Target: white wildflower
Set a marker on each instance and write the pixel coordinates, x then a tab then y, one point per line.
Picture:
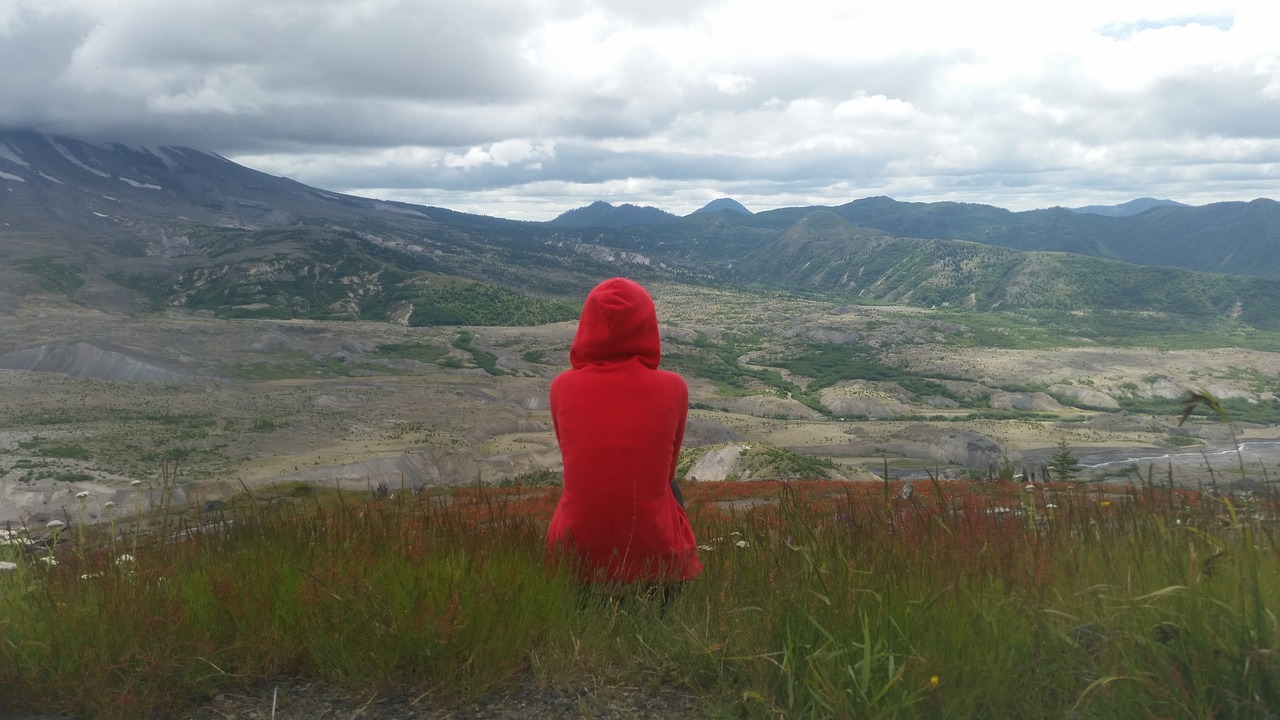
109	504
82	494
49	560
1050	506
735	532
135	483
55	524
6	566
1030	488
90	576
742	544
125	558
705	548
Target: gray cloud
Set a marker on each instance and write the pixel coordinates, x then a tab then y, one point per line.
518	107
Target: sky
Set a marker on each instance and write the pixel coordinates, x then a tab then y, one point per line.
527	108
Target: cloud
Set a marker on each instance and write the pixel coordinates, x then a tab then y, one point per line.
1126	30
487	103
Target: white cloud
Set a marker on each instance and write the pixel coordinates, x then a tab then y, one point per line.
731	83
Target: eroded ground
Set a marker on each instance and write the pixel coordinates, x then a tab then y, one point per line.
359	404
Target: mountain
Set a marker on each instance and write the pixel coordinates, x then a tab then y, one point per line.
823	251
133	230
1235	238
1133	207
600	214
726	204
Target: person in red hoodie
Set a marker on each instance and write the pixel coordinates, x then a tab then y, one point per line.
620	422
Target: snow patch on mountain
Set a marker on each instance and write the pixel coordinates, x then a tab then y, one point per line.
141	185
7	153
74	160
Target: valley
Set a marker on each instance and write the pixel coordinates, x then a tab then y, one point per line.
175	328
198	408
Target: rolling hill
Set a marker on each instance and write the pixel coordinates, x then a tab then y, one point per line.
134	229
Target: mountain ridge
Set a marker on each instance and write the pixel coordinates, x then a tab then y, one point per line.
1125	209
603	214
723	204
132	230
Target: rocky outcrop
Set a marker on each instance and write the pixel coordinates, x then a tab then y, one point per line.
767	406
948	445
819	334
717	463
1027	402
1086	396
707	431
867	399
753	461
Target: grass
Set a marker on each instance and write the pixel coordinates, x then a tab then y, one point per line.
411	351
54	276
827	599
484	360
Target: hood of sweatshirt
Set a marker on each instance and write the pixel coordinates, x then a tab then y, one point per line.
618	323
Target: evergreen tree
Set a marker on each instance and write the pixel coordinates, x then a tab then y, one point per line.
1063	465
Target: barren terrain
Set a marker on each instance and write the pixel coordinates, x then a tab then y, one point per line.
196	407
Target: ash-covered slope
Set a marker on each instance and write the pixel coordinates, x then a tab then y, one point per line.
94	186
85	359
126	229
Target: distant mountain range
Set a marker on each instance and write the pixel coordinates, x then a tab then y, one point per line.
725	205
602	214
133	229
1133	207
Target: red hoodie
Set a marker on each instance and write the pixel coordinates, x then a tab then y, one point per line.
620	421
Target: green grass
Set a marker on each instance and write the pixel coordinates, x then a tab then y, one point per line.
54	276
827	601
1264	412
411	351
454	301
56	450
486	361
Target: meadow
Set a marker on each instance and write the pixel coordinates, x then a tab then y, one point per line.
819	599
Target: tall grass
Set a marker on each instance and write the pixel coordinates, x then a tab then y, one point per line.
822	599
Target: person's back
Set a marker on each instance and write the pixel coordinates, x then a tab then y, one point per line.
620	422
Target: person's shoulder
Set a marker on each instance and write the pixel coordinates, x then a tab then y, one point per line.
671	378
564	378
